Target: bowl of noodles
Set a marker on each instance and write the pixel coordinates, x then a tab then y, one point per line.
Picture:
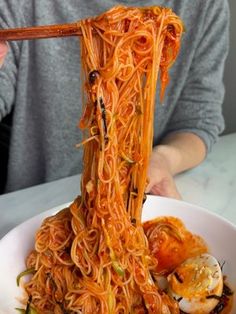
216	232
106	252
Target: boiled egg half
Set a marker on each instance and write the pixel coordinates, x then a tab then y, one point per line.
196	284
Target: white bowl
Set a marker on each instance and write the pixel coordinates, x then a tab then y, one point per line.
218	233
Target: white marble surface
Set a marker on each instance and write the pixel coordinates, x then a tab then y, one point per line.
211	185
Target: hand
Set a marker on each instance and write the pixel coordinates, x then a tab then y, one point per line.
3	52
161	181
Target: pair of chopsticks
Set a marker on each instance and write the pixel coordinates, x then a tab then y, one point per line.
48	31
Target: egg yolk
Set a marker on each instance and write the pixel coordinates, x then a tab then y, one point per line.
191	279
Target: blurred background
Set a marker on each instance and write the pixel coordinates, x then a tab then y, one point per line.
229	106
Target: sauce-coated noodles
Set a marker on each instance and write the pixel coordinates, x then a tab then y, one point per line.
93	257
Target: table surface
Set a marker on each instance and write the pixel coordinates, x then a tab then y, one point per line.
211	185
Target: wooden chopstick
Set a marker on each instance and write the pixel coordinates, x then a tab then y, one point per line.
37	32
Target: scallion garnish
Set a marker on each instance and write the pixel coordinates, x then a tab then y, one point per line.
24	273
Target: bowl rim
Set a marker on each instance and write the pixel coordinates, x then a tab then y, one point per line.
55	209
196	207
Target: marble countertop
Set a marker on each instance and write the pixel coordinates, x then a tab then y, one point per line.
211	185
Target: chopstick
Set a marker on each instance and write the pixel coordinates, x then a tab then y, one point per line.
38	32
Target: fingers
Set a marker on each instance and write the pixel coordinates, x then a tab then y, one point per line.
170	191
163	187
3	52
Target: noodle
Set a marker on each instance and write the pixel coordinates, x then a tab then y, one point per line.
93	257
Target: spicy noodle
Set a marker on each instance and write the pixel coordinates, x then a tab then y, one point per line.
93	257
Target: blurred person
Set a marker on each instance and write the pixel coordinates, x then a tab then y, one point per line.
40	88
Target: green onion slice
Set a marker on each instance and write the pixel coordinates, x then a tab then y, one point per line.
24	273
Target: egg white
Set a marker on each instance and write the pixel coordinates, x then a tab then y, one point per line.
194	280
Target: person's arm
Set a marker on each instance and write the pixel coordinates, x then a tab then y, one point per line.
3	52
176	153
197	119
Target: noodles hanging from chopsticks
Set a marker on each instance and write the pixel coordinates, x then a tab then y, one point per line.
94	257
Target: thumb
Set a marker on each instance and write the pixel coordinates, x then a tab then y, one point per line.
3	51
165	188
